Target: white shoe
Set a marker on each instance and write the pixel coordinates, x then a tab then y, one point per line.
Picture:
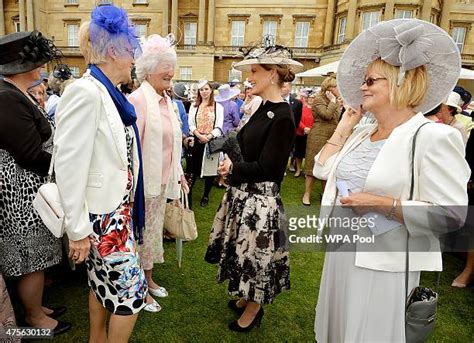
153	307
159	292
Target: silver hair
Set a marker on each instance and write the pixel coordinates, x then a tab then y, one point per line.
148	62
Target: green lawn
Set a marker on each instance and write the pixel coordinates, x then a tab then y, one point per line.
196	309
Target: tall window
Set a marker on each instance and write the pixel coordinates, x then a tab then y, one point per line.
341	32
140	1
72	39
403	14
270	28
17	26
459	34
185	73
190	33
235	74
71	2
141	30
75	71
301	34
238	33
369	19
104	2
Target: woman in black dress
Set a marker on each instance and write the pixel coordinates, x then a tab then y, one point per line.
27	247
248	237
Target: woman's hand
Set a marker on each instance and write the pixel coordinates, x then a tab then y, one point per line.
184	184
224	166
79	250
362	203
331	96
350	118
202	138
306	130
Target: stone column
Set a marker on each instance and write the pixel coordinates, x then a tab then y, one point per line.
351	20
389	8
30	16
211	21
174	18
2	19
426	10
445	12
330	21
166	11
202	21
21	10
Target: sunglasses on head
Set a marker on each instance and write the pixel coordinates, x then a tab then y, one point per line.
371	80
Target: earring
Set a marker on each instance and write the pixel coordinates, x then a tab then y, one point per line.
271	81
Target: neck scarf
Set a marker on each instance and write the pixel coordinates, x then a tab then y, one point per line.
129	117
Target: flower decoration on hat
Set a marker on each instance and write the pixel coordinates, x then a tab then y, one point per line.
115	21
37	48
407	47
159	45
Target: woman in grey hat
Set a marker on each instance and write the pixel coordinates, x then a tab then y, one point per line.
27	247
397	70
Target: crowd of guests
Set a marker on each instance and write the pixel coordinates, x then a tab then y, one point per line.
123	141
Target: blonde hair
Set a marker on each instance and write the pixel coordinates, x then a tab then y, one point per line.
328	83
96	52
413	89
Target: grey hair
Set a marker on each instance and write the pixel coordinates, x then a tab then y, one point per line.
54	83
147	63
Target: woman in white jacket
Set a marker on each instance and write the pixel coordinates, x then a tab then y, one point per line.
206	118
362	292
99	176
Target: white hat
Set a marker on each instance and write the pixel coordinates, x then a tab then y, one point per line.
454	100
225	92
274	54
202	83
407	43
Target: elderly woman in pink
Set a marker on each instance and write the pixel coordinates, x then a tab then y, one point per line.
160	135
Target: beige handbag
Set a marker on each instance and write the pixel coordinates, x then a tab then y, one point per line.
48	205
179	220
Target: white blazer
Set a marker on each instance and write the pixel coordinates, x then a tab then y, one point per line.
91	154
441	176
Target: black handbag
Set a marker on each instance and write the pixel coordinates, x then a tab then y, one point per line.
421	303
227	144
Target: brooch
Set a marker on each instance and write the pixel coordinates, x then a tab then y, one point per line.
270	114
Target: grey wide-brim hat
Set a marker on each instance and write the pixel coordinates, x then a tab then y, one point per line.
22	52
278	55
407	43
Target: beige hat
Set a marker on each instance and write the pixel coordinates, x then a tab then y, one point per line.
454	100
274	54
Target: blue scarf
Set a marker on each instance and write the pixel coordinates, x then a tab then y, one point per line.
129	117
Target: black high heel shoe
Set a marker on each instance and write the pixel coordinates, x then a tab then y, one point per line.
234	326
232	304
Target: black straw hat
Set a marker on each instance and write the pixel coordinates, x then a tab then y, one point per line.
22	52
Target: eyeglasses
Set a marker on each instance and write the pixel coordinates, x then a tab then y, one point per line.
370	80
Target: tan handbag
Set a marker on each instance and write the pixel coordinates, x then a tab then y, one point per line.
179	220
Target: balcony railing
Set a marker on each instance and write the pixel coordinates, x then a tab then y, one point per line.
186	47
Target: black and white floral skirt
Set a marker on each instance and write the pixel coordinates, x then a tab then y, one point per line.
249	241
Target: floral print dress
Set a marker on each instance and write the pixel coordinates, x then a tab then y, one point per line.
113	266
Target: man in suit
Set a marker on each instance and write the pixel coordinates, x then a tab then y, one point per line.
296	109
295	104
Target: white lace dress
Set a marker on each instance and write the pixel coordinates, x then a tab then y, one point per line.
357	304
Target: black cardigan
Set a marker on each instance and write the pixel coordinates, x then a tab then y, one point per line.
23	129
266	142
